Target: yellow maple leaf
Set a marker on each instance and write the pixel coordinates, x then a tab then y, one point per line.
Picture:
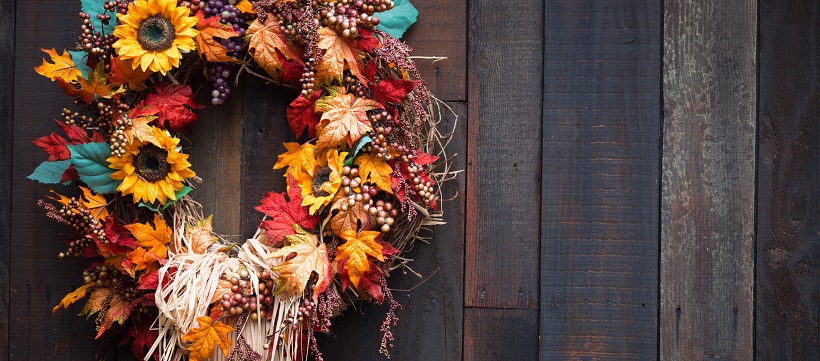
153	238
96	204
204	337
206	45
355	249
140	129
200	235
123	72
340	53
245	6
344	119
348	220
304	256
61	68
375	170
298	158
265	40
73	297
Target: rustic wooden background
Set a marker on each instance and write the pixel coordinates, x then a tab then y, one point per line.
641	183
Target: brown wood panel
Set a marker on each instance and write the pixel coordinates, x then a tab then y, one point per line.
492	334
441	31
788	217
504	149
39	280
707	205
7	12
600	169
430	320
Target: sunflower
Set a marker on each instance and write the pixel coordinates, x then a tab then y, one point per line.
151	171
318	189
154	33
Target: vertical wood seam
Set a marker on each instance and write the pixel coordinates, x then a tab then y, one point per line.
7	178
659	216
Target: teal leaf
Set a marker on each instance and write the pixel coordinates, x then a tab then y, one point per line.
356	148
50	172
80	59
95	7
155	207
90	160
398	19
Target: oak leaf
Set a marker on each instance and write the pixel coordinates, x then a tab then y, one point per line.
344	119
352	219
304	256
123	72
375	170
72	297
200	235
62	67
340	54
174	103
204	337
265	40
96	204
298	158
210	28
285	213
154	238
301	114
354	252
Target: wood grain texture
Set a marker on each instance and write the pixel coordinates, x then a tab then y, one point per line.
7	16
504	149
599	201
430	325
39	279
707	206
788	217
492	334
441	31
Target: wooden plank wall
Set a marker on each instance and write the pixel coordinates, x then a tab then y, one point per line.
640	184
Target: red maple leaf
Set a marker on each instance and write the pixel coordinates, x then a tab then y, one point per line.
285	213
174	103
370	282
79	135
425	158
366	41
143	338
392	90
301	114
117	235
291	71
370	70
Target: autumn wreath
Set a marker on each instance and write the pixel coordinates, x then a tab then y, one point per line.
360	186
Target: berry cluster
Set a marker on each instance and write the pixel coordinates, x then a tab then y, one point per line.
348	16
218	74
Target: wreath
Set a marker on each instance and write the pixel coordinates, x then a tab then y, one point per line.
363	177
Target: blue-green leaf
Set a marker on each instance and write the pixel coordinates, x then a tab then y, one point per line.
156	206
80	59
50	172
95	7
356	148
398	19
90	160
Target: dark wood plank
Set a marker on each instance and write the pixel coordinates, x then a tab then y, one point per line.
707	204
441	31
600	169
39	280
430	320
500	334
7	16
504	149
788	217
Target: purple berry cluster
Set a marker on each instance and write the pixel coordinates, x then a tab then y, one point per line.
218	74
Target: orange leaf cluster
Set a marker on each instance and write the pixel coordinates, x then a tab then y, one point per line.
204	337
265	41
206	44
62	68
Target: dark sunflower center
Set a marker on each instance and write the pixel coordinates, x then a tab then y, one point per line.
151	163
156	33
321	176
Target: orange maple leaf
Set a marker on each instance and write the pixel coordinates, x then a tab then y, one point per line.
200	235
96	204
265	40
154	239
350	219
340	54
96	85
206	45
61	68
298	158
344	119
375	170
142	260
304	256
245	6
123	72
73	297
356	249
204	337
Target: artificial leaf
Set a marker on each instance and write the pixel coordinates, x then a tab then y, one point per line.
94	8
96	204
141	337
63	66
123	72
265	40
50	172
360	144
398	19
340	54
370	282
351	219
154	238
54	145
78	135
393	90
73	297
206	44
344	119
245	6
96	85
285	213
298	158
203	338
301	114
367	41
117	234
222	287
141	130
375	170
118	311
304	255
354	252
425	158
90	160
200	235
80	59
174	103
141	259
69	175
96	301
291	72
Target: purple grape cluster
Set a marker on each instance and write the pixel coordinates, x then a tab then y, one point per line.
218	74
